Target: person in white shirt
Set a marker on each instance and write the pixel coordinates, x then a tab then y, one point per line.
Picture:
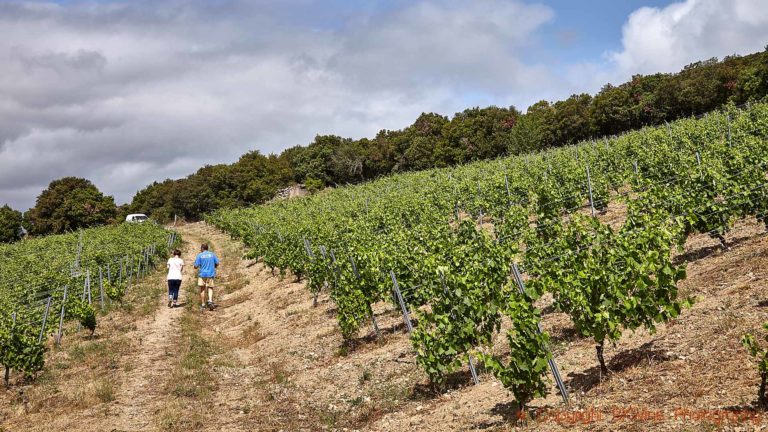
175	266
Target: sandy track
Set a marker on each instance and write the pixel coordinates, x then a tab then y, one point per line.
141	394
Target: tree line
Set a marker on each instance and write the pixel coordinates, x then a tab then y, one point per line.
432	141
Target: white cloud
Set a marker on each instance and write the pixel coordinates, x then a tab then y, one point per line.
128	92
664	40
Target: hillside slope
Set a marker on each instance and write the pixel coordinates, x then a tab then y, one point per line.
268	360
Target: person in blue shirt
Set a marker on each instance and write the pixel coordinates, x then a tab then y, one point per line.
206	263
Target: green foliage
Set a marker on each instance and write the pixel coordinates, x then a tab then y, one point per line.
449	236
114	290
761	354
19	347
84	313
753	347
38	270
524	371
10	223
609	281
436	141
68	204
313	185
465	298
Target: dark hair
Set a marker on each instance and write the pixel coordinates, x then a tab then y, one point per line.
204	246
176	252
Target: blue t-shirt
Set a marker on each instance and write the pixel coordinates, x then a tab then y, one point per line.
206	262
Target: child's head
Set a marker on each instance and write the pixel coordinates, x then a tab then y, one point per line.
177	253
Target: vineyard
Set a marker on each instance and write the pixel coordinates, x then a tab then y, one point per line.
71	277
464	253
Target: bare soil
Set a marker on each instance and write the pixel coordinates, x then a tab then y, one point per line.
278	363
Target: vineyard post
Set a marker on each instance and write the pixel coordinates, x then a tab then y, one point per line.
509	196
589	189
86	292
669	130
45	319
127	282
109	273
728	117
403	306
634	166
472	369
88	282
61	316
308	249
456	210
698	162
552	365
101	288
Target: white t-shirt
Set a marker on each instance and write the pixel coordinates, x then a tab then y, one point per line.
174	268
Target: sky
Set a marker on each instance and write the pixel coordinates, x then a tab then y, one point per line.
127	92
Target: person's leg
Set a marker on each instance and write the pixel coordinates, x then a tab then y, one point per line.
201	285
209	285
170	292
175	290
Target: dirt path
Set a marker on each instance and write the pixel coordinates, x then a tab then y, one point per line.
141	394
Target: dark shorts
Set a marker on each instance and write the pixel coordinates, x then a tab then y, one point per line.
173	288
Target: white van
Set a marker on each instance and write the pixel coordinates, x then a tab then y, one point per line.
136	218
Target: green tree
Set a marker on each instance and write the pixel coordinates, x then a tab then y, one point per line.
571	121
481	133
68	204
10	223
611	110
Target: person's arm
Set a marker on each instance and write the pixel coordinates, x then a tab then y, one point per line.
197	262
215	261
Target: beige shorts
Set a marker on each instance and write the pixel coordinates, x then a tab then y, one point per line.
205	282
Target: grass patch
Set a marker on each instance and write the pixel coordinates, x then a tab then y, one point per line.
253	334
178	416
191	381
192	378
105	391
